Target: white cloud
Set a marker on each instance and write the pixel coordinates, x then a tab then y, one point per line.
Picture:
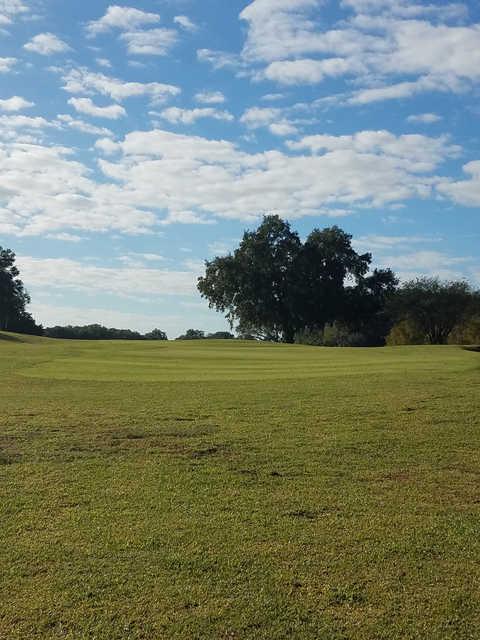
84	127
10	8
176	115
6	64
185	23
24	122
184	174
153	42
410	47
464	192
283	128
158	177
15	103
123	18
87	106
46	44
130	280
424	118
107	146
385	243
257	117
219	59
415	152
272	97
415	264
45	191
82	81
407	8
210	97
308	71
103	62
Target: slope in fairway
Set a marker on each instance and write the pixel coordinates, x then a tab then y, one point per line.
238	490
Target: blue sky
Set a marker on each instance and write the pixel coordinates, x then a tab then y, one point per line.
138	139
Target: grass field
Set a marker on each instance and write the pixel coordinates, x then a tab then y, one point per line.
219	490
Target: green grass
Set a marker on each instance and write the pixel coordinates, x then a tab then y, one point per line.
238	491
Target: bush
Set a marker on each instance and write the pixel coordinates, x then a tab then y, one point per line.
310	336
405	332
333	335
466	333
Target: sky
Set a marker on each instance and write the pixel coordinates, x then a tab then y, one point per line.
138	140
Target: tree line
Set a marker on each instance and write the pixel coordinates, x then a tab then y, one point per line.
275	287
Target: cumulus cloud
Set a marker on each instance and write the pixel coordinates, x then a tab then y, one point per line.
84	127
411	47
153	42
210	97
175	115
131	281
219	59
107	146
123	18
6	64
132	22
159	177
46	44
424	118
415	152
104	62
87	106
45	190
83	81
257	117
185	23
9	9
15	103
308	71
465	192
191	174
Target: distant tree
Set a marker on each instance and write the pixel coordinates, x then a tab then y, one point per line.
99	332
156	334
221	335
14	298
274	287
192	334
433	308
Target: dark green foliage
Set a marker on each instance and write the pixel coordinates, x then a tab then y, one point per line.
256	285
220	335
156	334
14	298
432	308
274	287
192	334
98	332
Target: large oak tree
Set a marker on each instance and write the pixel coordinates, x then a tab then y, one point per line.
273	285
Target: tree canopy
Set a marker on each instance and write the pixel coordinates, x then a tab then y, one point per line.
14	298
99	332
428	310
274	286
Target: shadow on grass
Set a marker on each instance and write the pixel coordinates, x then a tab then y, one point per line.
9	337
472	348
